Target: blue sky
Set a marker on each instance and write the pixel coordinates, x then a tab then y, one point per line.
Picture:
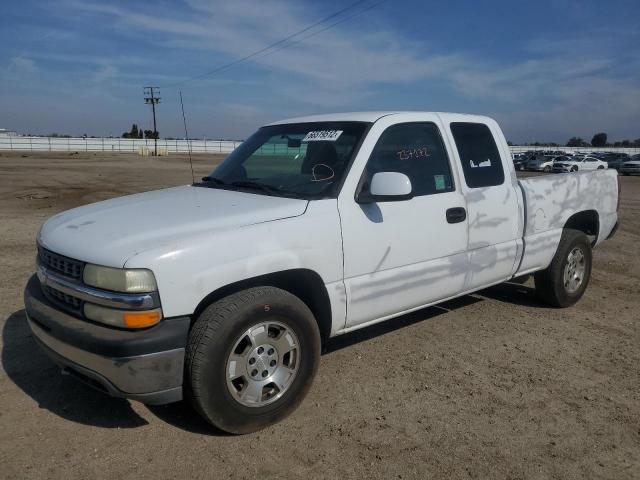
546	70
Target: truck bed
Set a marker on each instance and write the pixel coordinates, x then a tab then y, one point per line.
550	200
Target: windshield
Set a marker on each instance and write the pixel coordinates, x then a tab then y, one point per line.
304	160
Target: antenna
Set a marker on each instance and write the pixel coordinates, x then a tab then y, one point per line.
186	134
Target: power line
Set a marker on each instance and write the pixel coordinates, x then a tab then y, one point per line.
317	32
281	44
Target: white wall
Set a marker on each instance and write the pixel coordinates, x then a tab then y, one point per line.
56	144
630	151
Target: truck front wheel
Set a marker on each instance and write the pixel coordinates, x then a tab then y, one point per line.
251	358
563	282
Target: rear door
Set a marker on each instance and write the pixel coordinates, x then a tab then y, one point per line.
493	205
401	255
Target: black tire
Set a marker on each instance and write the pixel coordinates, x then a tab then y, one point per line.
212	339
574	169
550	286
546	169
600	167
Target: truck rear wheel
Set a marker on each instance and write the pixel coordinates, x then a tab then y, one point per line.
251	358
563	282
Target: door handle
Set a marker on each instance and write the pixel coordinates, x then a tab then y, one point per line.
456	215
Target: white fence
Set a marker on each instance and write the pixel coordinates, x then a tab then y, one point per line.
629	150
129	145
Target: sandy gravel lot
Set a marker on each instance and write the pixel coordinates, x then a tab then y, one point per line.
492	385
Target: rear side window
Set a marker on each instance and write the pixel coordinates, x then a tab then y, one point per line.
417	150
481	162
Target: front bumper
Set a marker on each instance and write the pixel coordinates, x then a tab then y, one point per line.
144	365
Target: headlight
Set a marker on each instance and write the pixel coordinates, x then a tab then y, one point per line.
137	280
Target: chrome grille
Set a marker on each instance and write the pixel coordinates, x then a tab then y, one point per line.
63	265
61	297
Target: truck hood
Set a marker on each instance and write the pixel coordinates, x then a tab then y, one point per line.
110	232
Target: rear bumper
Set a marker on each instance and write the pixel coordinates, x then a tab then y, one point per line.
142	365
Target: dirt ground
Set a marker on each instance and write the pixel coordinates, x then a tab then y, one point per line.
492	385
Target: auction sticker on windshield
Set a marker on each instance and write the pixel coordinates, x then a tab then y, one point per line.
322	135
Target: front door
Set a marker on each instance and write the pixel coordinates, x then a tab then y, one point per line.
401	255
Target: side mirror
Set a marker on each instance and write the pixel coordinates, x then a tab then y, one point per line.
387	187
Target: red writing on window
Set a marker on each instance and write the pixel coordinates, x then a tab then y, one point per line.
406	154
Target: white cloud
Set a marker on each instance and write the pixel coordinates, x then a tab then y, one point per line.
235	29
22	66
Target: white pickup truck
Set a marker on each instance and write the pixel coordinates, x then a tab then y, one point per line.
223	291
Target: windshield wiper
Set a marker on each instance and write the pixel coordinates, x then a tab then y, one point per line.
264	188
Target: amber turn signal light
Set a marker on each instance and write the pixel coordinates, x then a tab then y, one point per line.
141	319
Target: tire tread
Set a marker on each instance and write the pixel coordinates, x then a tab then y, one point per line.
208	328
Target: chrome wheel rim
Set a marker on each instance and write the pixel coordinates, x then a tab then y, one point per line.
262	364
574	270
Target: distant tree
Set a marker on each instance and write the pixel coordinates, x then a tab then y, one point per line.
577	142
599	140
140	133
133	133
150	134
510	143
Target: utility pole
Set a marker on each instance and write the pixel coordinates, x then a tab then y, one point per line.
151	97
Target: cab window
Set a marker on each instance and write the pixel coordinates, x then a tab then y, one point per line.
417	150
481	162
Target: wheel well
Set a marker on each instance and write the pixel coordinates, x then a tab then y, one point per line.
304	284
587	222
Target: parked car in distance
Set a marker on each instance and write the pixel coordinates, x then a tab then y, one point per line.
575	163
614	160
223	292
542	163
520	161
631	167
